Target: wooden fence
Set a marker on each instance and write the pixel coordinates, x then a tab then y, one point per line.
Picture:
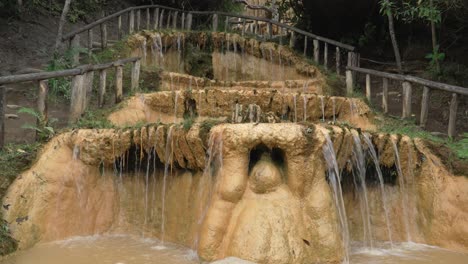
161	17
407	82
81	87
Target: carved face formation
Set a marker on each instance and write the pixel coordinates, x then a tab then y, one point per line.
259	214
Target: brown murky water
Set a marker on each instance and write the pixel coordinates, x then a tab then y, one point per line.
104	250
121	249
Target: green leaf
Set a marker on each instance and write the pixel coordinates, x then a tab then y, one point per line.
29	111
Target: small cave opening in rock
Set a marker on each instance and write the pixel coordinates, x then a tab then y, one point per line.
190	108
350	179
276	155
137	160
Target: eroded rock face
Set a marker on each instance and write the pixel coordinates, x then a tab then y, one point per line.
265	197
272	107
271	214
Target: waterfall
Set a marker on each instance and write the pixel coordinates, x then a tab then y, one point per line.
305	107
175	106
371	150
168	161
360	165
323	108
334	177
146	187
403	191
215	150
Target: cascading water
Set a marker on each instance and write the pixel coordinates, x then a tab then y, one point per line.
334	178
215	150
168	161
359	162
371	150
305	107
175	106
403	191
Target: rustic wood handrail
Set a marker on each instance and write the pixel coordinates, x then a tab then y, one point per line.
70	35
81	86
408	80
30	77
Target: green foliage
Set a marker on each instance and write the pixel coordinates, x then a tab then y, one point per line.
61	87
94	120
461	147
15	158
188	123
435	58
43	128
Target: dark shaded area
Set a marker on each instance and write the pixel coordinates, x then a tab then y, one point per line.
277	156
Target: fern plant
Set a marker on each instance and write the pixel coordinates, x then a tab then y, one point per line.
43	128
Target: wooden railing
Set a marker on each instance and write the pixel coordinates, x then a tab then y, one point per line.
81	87
162	17
407	82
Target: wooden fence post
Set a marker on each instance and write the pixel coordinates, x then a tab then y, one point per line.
406	113
174	20
77	97
453	116
316	51
338	61
161	19
90	43
349	82
135	75
2	116
119	27
168	22
305	46
88	88
424	107
138	20
156	18
42	105
102	87
226	24
131	22
325	56
43	92
215	23
182	24
75	45
148	18
189	22
385	95
118	84
368	87
103	36
292	40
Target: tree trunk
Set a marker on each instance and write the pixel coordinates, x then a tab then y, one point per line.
434	39
63	18
391	28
